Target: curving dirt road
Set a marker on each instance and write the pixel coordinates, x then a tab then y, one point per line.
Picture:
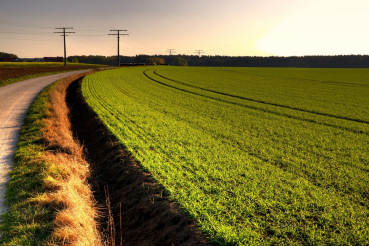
15	100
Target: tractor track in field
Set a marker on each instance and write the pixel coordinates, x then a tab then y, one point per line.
258	101
142	212
263	109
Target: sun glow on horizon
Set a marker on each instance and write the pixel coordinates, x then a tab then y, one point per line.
326	28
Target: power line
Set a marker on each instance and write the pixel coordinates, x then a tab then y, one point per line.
99	41
118	36
105	47
170	51
14	31
90	30
65	49
23	25
93	35
147	43
138	48
28	39
28	33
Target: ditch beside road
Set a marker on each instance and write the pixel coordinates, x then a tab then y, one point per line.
15	100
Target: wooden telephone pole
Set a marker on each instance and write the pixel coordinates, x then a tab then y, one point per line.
65	48
118	35
199	52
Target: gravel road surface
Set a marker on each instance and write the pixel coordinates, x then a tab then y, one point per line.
15	100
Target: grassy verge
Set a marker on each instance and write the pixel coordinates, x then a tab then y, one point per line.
48	195
28	223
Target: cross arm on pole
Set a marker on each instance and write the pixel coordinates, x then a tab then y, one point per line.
65	49
199	52
171	51
118	36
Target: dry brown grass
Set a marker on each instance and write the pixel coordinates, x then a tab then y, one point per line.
66	177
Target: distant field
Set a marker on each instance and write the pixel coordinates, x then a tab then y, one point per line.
258	156
42	64
11	72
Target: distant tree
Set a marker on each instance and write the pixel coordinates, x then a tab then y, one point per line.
178	61
7	55
141	58
155	60
75	60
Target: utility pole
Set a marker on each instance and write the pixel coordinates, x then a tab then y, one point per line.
118	36
65	49
199	52
170	51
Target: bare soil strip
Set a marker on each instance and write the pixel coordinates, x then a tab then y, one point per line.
15	72
142	212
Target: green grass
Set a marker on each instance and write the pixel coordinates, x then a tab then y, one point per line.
28	222
258	156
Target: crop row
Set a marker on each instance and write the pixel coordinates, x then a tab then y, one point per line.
289	169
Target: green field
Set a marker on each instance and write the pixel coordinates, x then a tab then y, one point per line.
258	156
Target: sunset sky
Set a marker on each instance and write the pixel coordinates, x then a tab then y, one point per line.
218	27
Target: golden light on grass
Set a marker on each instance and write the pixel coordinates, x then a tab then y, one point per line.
66	177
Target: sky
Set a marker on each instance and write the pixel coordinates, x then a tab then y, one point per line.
216	27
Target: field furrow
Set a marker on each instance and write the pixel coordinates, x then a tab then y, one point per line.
291	113
248	172
264	102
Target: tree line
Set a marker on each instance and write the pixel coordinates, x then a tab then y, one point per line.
4	55
338	61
